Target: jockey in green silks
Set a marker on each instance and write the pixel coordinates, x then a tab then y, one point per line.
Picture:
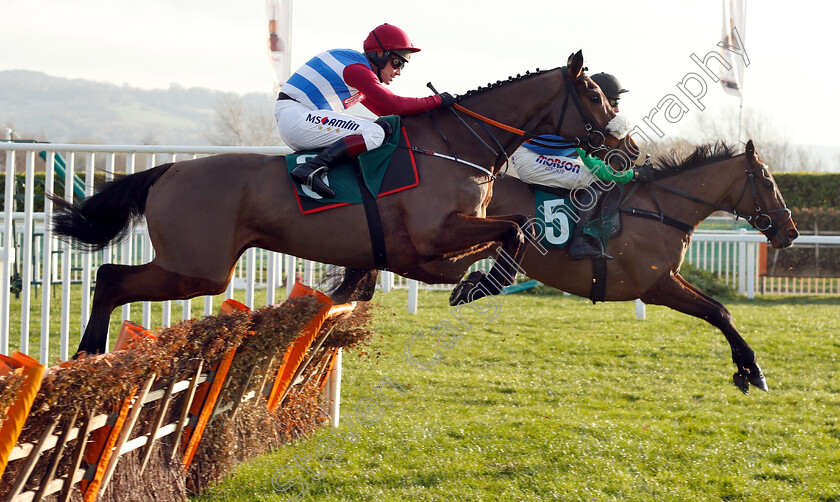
556	161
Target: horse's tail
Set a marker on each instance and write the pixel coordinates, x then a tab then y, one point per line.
105	217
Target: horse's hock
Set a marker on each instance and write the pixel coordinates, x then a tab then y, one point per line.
172	411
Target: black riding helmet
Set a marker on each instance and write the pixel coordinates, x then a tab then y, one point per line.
610	85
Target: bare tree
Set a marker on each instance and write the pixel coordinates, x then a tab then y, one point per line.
239	124
771	139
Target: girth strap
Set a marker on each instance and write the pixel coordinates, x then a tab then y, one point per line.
661	218
599	279
374	221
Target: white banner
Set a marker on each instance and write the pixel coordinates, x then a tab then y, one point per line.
279	39
732	44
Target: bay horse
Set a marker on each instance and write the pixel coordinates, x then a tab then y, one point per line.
202	214
648	253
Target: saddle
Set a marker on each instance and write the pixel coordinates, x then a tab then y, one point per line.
385	170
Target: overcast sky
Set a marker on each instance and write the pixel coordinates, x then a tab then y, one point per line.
221	44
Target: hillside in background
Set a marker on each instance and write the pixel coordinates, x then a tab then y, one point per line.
60	110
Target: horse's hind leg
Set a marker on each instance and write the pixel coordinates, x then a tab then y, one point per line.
120	284
677	293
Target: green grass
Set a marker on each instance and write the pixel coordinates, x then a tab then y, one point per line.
557	399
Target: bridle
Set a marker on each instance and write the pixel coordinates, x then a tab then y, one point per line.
592	131
593	140
763	220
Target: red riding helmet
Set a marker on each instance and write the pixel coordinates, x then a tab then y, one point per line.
387	37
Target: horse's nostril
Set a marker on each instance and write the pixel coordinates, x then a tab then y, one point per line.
792	233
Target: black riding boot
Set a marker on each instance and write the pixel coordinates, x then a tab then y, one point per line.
584	245
309	173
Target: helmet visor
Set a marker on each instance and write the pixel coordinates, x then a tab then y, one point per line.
403	54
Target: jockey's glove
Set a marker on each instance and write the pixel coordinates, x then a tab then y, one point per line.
446	100
643	173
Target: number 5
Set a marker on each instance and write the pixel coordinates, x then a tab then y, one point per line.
556	220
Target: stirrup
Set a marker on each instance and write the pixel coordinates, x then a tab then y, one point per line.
311	177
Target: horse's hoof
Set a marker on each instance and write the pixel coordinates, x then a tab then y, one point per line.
742	382
462	290
757	378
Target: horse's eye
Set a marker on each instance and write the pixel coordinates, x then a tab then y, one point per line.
768	178
595	98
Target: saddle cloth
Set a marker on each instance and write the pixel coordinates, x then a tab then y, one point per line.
557	216
386	170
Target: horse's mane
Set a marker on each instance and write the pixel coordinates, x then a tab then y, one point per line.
500	83
674	162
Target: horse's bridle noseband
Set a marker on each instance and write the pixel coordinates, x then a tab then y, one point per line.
773	224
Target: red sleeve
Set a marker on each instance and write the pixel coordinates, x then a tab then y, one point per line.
379	99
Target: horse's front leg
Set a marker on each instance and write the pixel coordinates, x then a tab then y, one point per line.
120	284
461	232
675	292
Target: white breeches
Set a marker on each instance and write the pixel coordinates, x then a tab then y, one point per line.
305	129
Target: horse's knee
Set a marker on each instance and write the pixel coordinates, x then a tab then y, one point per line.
720	317
521	220
517	234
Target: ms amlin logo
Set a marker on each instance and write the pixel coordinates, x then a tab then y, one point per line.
349	125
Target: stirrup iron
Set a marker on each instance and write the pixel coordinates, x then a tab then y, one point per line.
311	176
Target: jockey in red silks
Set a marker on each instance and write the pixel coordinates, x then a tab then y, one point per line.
311	104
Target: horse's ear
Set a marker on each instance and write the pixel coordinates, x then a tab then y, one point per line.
575	64
750	149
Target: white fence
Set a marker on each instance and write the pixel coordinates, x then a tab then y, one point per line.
45	266
44	261
733	255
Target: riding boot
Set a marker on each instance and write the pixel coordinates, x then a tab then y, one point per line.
309	173
584	245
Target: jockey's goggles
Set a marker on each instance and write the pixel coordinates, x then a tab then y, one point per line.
399	58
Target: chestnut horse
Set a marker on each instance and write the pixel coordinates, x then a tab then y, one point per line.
648	253
203	214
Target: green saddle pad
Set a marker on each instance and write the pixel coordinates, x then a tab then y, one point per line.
385	170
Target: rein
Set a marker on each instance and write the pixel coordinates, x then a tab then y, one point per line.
773	224
593	132
487	120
